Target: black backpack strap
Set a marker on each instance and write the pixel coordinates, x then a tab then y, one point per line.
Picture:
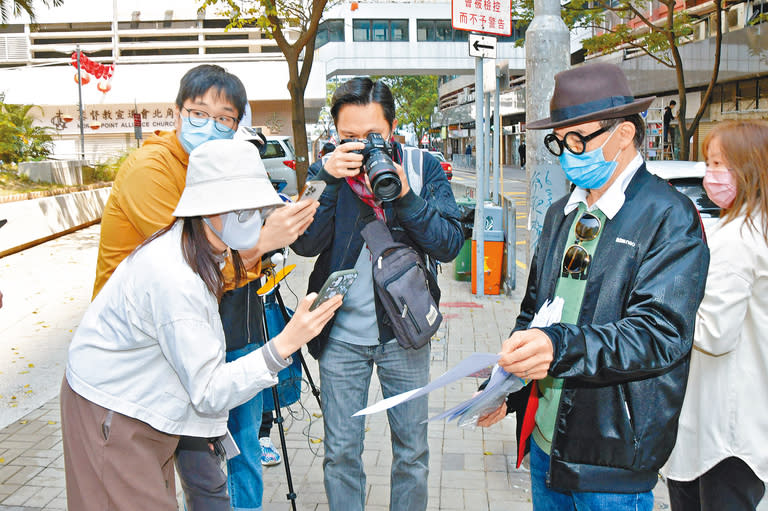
378	238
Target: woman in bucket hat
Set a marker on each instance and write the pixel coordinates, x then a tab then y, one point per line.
147	362
625	253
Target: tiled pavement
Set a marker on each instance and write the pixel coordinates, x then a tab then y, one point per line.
469	469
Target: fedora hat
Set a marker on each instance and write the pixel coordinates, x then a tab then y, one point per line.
592	92
225	175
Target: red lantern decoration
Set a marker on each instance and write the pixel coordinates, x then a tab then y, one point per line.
67	118
104	86
94	125
353	6
84	79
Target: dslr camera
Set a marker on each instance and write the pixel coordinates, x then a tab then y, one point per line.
377	163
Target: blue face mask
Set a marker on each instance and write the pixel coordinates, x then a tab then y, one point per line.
193	136
589	169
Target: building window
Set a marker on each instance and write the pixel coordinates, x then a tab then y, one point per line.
398	30
439	31
425	30
380	30
330	31
361	30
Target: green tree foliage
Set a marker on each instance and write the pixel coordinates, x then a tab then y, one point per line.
415	99
659	38
277	18
16	7
19	139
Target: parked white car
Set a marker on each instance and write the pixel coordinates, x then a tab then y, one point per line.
687	177
278	156
280	161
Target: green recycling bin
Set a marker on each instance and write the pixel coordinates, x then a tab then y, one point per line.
462	265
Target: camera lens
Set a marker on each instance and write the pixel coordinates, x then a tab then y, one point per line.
383	177
378	164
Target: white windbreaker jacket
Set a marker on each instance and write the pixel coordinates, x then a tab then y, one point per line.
725	412
151	346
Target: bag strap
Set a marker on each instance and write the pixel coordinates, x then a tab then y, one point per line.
375	233
378	238
414	168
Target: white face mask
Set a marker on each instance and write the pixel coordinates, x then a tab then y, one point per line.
240	230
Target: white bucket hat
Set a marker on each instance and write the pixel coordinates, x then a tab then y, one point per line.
225	175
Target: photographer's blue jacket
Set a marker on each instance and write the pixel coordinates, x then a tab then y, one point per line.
428	222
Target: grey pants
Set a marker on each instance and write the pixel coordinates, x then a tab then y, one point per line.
203	480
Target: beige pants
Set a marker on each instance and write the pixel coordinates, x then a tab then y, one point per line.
113	462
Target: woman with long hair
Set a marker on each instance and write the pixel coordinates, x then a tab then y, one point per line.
147	362
720	459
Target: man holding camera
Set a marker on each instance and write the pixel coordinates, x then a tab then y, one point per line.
360	336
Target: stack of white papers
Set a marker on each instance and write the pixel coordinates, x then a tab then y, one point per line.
500	384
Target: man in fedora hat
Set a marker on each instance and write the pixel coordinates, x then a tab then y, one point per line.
626	254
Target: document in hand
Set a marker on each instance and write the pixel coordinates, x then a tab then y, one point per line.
470	365
500	384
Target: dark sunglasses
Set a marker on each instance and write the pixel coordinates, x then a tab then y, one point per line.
573	141
577	258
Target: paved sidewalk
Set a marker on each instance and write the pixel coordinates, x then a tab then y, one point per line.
469	469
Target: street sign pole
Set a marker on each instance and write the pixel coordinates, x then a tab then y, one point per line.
488	18
497	142
480	177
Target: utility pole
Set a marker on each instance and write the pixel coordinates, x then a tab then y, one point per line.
80	106
547	52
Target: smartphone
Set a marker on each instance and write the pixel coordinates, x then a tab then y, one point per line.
312	190
337	283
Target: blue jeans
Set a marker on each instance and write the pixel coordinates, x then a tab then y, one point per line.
245	481
345	374
546	499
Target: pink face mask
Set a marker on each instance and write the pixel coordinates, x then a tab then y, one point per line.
720	187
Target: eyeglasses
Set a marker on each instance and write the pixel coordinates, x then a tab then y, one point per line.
573	141
243	215
577	258
198	119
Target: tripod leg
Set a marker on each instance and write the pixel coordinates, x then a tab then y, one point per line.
291	495
286	317
315	390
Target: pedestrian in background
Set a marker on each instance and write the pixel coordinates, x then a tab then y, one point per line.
360	337
521	152
625	252
669	135
721	457
147	362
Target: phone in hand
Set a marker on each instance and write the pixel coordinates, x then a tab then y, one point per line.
337	283
312	190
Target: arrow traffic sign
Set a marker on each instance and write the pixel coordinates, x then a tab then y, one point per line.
482	46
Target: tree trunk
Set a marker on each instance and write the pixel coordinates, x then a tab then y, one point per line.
299	125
